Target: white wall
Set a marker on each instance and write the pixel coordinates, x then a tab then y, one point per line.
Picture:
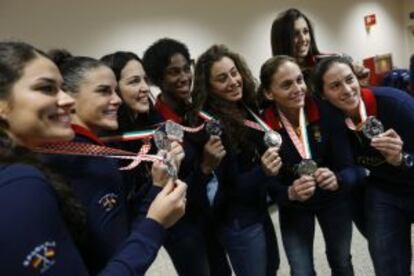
97	27
408	27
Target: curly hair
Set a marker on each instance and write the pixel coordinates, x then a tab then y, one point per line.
14	56
282	34
203	97
156	60
157	57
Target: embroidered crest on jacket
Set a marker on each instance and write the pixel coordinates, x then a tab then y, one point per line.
42	258
108	201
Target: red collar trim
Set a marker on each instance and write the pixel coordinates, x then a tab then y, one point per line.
80	130
312	110
271	117
370	101
166	112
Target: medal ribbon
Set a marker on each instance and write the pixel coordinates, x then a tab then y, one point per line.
146	147
85	149
253	125
144	134
191	129
259	124
362	114
302	147
205	116
169	114
130	136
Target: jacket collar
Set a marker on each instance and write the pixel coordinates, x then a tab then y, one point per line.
80	130
166	111
370	101
271	117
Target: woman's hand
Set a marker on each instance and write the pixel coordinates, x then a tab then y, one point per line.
213	153
159	173
271	161
177	153
326	179
390	145
302	188
169	205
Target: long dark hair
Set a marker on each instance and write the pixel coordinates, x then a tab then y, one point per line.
14	56
323	66
127	118
231	118
283	33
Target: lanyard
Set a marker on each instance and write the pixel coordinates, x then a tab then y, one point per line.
302	143
362	114
86	149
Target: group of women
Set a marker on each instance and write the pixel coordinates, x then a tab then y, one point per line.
309	139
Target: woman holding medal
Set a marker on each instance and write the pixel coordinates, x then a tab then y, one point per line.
96	181
301	44
307	186
136	113
192	243
34	110
379	123
225	88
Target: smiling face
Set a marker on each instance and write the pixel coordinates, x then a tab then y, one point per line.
177	78
133	87
226	81
96	100
341	88
37	110
288	88
302	39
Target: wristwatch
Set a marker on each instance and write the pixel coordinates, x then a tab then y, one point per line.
407	161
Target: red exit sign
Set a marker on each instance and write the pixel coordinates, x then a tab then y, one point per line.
370	20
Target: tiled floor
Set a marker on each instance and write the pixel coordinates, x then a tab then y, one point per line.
360	257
